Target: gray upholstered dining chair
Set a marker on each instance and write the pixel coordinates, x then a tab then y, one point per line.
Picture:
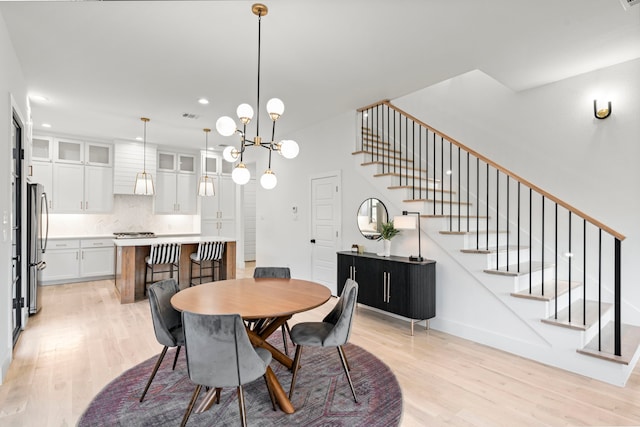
167	323
167	254
207	252
219	354
333	331
276	273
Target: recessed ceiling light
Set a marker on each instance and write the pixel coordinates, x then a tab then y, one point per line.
203	101
39	98
46	125
138	138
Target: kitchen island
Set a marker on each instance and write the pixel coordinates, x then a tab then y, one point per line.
130	263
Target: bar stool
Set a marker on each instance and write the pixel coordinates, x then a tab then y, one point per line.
207	251
162	254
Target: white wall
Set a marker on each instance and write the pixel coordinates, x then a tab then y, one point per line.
11	83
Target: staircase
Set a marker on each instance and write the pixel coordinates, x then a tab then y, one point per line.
553	274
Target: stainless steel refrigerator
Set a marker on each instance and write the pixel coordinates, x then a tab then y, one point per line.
37	236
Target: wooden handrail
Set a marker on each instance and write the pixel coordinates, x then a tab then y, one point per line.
518	178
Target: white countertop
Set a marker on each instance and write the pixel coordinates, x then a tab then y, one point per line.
176	239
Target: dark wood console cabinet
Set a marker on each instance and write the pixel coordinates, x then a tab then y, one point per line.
394	284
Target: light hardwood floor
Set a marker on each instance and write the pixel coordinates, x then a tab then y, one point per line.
83	338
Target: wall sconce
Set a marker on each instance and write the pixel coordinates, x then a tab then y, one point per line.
406	223
601	113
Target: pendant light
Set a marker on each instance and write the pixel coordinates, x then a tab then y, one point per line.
226	126
144	180
205	185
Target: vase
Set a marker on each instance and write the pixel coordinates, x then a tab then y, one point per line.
386	251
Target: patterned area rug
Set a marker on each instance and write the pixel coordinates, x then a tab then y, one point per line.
322	396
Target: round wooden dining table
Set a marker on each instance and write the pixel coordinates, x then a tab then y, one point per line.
265	302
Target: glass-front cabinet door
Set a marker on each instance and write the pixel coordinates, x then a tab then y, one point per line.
69	151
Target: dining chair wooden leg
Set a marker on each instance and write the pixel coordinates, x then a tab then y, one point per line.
294	368
346	371
155	369
284	340
243	414
192	402
175	359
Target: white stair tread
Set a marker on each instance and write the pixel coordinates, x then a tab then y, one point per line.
525	268
630	340
549	290
577	311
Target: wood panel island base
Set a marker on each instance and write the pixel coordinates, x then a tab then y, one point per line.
130	264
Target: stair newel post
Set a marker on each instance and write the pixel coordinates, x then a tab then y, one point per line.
617	298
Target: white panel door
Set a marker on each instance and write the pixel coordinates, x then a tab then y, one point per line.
325	229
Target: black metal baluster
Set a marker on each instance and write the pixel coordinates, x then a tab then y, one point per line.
531	265
599	289
497	218
468	191
477	203
570	255
556	264
434	173
584	272
531	239
518	239
450	173
487	239
617	324
441	176
413	156
508	222
459	176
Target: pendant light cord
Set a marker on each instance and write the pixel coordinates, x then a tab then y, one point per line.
258	97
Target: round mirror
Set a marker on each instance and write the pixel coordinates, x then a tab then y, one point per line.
372	213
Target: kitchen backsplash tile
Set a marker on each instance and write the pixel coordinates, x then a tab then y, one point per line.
130	213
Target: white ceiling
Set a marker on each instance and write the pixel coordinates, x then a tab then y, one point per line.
103	65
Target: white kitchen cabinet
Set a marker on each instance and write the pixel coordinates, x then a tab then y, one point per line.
97	154
98	189
218	213
42	148
176	184
68	188
63	260
42	173
68	151
96	257
72	260
81	189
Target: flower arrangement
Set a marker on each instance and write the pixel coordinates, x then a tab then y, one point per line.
388	231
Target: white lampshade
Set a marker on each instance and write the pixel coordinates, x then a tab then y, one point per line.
275	108
245	113
230	154
226	126
144	184
205	186
404	222
289	149
268	180
241	174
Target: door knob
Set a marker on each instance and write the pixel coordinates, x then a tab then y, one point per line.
313	240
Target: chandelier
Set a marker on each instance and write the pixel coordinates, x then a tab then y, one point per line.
144	180
226	126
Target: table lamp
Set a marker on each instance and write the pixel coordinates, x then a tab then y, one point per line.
405	222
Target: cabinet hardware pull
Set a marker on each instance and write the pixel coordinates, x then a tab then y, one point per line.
86	206
31	170
388	287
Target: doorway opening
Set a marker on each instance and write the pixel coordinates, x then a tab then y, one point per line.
16	226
